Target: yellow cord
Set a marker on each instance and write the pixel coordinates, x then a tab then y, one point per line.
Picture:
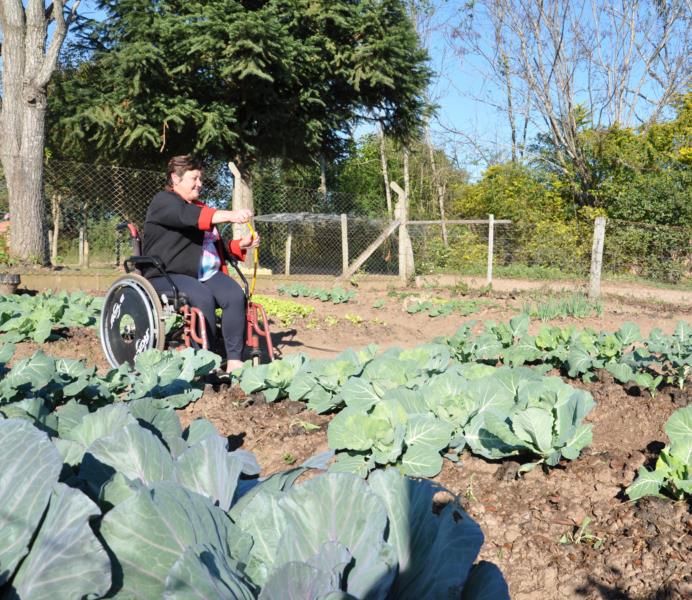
255	256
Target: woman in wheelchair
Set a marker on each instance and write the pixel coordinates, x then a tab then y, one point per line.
182	231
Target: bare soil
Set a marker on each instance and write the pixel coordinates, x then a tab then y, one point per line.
629	550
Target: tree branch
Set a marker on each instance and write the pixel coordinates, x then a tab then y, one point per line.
61	27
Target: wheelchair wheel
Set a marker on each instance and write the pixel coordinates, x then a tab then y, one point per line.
131	320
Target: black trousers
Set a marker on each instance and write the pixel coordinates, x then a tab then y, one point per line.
219	290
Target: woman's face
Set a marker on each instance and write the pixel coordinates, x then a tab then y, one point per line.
189	185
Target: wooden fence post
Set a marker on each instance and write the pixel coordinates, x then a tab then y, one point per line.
83	239
289	243
491	241
597	257
344	244
406	262
55	201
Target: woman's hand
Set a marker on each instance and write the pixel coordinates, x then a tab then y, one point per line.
249	241
242	215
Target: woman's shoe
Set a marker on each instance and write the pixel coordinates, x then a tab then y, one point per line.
218	376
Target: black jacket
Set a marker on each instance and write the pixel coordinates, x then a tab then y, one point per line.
174	231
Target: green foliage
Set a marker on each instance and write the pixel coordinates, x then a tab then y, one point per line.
24	317
438	308
284	78
284	311
497	413
405	407
672	475
582	535
542	233
640	180
31	466
37	385
466	251
674	352
575	305
580	353
652	251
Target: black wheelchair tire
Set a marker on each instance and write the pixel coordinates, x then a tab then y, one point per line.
133	296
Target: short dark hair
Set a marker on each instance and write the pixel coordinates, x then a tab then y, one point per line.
180	165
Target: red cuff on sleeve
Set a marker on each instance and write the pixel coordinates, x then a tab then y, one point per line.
204	221
236	250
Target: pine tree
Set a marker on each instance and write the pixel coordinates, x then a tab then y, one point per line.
238	80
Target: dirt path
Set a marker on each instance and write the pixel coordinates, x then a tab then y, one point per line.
612	290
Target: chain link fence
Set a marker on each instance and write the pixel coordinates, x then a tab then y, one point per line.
84	204
304	231
646	250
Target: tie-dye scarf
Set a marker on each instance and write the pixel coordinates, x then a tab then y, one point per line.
210	262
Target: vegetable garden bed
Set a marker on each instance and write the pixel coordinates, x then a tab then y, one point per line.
565	531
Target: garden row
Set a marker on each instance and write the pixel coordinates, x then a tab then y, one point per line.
104	493
409	407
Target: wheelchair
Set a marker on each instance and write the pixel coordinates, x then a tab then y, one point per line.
135	317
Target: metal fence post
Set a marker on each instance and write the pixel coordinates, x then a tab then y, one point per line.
491	238
597	257
344	244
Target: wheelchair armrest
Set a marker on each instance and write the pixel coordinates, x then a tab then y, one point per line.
135	261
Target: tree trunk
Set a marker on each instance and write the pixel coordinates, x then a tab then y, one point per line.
242	198
323	180
407	177
24	176
385	172
439	186
27	67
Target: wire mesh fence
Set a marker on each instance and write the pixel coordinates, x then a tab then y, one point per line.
323	244
84	204
312	232
302	230
648	251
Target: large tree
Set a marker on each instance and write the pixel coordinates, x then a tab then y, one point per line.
241	80
560	67
29	55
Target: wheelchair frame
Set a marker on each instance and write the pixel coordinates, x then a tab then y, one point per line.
134	315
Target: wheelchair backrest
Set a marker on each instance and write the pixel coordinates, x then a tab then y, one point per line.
135	239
